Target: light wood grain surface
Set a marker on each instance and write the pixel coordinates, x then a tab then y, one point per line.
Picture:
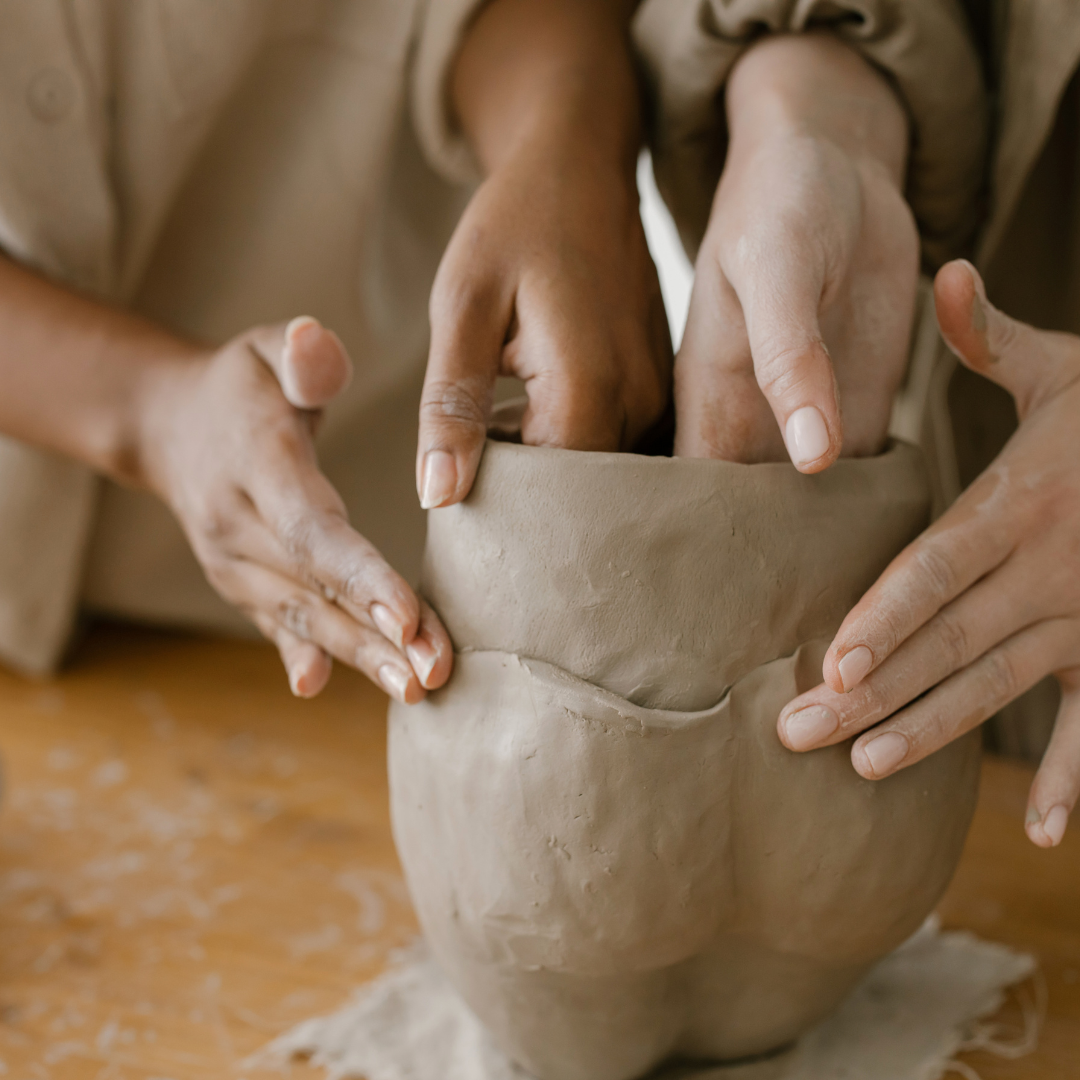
192	861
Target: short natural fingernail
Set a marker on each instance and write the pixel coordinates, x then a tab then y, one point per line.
388	625
299	682
423	659
298	326
1053	823
290	385
973	273
295	677
978	313
886	752
807	727
854	666
440	479
395	681
806	435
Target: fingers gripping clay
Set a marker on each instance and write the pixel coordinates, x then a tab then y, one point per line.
612	855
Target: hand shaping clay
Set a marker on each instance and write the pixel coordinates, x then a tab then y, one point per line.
611	854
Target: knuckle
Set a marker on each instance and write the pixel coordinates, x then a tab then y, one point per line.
870	701
936	730
295	615
1002	677
456	298
576	423
295	532
358	585
214	523
938	568
781	366
584	397
886	630
354	588
451	401
459	292
953	640
306	536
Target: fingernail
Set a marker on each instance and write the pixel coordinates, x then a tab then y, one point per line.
440	479
395	682
807	727
295	675
806	435
853	667
422	657
1053	823
298	326
300	682
389	627
978	313
886	752
289	384
976	278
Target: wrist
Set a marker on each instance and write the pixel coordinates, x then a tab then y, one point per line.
534	72
150	413
557	151
73	372
815	86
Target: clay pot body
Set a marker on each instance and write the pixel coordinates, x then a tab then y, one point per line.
610	852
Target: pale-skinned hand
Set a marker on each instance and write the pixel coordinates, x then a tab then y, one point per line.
227	443
803	299
987	601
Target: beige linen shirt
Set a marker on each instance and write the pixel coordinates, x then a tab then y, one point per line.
216	166
924	48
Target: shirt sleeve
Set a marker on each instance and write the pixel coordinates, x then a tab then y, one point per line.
443	26
925	48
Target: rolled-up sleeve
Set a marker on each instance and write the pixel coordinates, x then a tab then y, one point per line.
925	48
443	26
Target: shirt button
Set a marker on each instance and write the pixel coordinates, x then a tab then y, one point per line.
51	95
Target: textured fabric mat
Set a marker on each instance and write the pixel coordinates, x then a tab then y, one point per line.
905	1021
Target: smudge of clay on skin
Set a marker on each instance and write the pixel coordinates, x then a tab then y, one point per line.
978	322
988	496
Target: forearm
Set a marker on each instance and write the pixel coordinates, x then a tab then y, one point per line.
550	69
815	85
75	374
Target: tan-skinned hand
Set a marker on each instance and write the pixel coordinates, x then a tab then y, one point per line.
987	601
801	311
548	277
229	447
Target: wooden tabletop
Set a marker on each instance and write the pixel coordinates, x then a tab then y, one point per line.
191	861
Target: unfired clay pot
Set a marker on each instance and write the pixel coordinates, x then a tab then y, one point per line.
611	854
